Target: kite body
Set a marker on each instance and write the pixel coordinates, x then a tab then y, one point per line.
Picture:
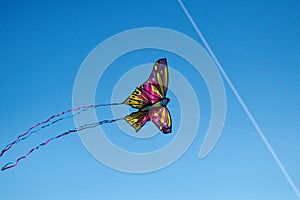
150	99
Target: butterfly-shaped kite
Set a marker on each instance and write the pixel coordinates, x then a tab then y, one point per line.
150	99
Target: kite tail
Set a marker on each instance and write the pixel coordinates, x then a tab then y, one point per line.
47	123
86	126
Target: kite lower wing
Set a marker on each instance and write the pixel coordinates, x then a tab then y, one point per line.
137	119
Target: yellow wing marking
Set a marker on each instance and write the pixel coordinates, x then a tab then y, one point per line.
160	84
169	120
166	76
163	114
134	98
155	89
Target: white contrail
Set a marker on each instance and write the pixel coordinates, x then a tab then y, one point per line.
239	98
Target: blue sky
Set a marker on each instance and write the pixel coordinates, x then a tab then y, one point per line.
44	44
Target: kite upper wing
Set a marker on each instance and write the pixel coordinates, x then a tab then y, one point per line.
157	83
153	89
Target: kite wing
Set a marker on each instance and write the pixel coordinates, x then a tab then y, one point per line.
157	84
137	119
161	117
153	89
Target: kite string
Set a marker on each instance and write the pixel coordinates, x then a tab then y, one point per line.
49	124
83	127
30	130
